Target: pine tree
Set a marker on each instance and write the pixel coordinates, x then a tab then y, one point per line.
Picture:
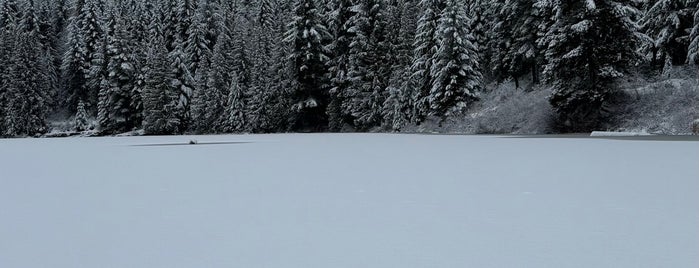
182	81
693	50
340	24
210	101
394	110
516	34
9	15
455	68
234	115
370	62
117	112
81	122
591	44
310	56
83	42
667	24
26	92
9	19
198	46
161	113
425	50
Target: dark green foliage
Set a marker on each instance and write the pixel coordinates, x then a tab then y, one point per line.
310	98
589	47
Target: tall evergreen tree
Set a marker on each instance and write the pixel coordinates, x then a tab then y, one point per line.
118	108
667	24
161	113
590	45
693	50
209	102
26	93
234	120
340	24
307	34
83	42
370	65
517	31
425	50
455	68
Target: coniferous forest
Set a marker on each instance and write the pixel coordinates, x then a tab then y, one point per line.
261	66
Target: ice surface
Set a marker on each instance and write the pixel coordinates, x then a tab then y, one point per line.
384	201
617	134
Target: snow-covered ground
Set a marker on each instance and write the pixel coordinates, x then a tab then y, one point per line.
360	200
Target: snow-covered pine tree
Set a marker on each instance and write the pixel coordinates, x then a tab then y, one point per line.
592	43
9	14
209	102
693	50
282	82
9	18
257	93
516	32
307	34
478	26
394	109
84	40
182	80
455	70
90	21
425	49
408	24
26	91
340	24
81	121
370	65
161	115
116	110
667	24
234	114
198	45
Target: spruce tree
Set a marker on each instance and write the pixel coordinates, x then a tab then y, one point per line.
26	95
591	44
455	69
667	24
425	49
693	50
210	101
161	113
394	112
370	65
340	25
117	112
517	30
235	120
307	35
81	121
83	42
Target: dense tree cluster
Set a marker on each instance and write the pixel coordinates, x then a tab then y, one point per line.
213	66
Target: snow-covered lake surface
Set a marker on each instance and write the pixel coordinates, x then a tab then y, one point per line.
350	201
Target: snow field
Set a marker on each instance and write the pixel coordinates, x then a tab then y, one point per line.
354	200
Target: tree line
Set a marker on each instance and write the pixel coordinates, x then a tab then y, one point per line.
231	66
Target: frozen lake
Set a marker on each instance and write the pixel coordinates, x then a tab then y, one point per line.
350	201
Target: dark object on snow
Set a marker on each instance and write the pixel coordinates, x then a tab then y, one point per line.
695	127
187	144
193	142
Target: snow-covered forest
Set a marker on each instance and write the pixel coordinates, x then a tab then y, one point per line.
260	66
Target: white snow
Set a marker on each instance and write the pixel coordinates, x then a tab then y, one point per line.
360	200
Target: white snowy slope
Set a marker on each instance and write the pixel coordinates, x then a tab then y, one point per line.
332	201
